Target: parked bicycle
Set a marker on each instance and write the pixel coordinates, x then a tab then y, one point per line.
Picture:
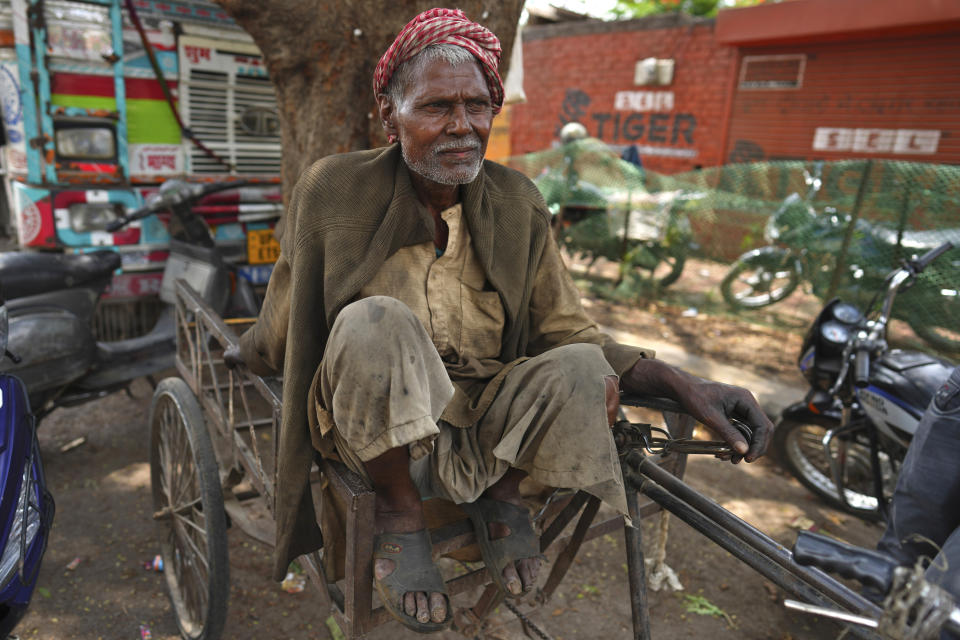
846	439
804	247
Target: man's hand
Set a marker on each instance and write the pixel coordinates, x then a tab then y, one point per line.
711	403
232	357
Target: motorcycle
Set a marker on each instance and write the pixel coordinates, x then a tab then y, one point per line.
846	440
26	507
52	298
804	246
647	233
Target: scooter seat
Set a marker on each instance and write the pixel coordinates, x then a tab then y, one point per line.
28	273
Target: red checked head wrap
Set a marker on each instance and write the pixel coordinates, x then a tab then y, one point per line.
443	26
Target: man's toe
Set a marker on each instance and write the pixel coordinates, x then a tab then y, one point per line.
512	580
529	569
410	604
423	610
438	607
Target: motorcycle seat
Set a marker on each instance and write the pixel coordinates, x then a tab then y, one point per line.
122	361
28	273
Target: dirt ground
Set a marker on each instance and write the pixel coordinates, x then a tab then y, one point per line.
93	585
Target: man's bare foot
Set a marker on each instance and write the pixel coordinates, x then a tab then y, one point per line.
400	510
394	518
522	575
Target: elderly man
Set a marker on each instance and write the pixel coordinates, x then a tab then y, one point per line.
431	338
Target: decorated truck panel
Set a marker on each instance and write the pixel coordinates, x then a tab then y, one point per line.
90	130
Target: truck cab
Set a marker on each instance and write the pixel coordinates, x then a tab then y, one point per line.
101	106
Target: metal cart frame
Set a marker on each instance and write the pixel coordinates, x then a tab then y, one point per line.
214	435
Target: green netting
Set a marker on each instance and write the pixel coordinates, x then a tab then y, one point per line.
836	227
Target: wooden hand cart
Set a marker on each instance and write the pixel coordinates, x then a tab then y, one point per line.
213	455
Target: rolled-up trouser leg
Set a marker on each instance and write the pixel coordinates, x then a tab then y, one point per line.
383	380
548	419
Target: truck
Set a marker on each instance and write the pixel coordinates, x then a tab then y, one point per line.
103	101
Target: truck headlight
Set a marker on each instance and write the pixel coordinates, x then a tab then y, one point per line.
86	143
92	216
26	524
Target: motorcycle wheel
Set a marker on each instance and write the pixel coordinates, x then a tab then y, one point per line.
798	447
760	277
661	265
188	508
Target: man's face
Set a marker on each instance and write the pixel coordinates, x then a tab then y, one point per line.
443	122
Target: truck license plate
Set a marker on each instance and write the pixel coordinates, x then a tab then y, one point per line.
262	247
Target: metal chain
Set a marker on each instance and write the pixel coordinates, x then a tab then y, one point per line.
528	624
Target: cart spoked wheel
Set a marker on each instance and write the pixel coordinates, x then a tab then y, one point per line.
188	507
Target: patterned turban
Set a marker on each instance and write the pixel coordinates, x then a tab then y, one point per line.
443	26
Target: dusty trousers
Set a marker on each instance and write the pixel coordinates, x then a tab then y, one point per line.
925	511
386	386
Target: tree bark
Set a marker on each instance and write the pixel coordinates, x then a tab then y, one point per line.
321	54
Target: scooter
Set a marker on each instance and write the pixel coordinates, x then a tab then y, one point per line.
846	439
52	297
26	507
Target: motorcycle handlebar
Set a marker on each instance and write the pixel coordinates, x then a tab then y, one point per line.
177	193
120	223
924	261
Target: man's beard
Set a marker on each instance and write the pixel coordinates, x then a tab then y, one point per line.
430	167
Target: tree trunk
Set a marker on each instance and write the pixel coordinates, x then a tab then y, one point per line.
321	54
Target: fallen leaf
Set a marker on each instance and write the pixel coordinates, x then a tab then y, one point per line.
803	523
703	607
836	519
335	632
73	444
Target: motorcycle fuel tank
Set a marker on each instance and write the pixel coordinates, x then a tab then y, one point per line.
901	386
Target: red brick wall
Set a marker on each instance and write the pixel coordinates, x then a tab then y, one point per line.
574	71
895	98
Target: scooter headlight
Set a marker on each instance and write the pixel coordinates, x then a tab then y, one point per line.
26	524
